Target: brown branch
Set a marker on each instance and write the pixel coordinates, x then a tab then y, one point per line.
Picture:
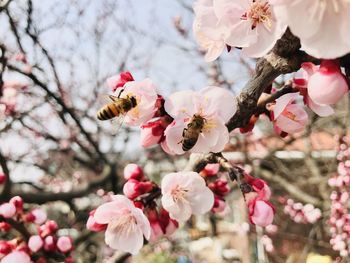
7	184
44	197
284	58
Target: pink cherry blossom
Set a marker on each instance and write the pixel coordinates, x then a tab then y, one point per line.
64	244
126	224
146	96
133	171
261	212
39	216
219	205
118	81
92	225
216	105
209	34
259	186
316	23
35	243
289	117
133	188
252	25
7	210
16	256
327	85
300	82
184	194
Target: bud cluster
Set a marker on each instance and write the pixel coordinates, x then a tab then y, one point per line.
303	214
31	246
339	220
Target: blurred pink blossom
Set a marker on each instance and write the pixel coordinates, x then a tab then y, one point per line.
315	23
64	244
16	256
133	171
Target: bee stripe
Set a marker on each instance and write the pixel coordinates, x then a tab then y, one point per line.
107	113
114	109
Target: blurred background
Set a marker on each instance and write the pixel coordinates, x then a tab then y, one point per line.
58	55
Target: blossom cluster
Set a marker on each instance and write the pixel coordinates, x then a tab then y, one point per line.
148	210
256	25
302	213
339	219
31	247
165	121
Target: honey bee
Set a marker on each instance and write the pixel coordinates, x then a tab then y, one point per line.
191	133
118	106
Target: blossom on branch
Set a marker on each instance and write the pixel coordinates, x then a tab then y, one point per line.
126	224
317	24
288	116
184	194
213	104
247	24
146	96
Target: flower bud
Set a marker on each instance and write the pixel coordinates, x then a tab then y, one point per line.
3	178
261	212
17	201
64	244
5	227
118	81
49	243
211	169
133	188
92	225
39	216
49	228
152	132
219	187
328	85
5	247
35	243
133	171
219	205
7	210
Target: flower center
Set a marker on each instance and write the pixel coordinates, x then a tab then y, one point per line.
258	13
124	225
179	194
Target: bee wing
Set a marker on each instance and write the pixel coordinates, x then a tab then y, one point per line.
115	123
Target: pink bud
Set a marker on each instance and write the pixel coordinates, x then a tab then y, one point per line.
39	216
49	243
92	225
49	228
219	187
133	171
328	85
69	260
219	205
7	210
152	132
118	81
261	212
5	247
64	244
211	169
17	201
5	227
35	243
133	188
16	256
156	231
3	178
